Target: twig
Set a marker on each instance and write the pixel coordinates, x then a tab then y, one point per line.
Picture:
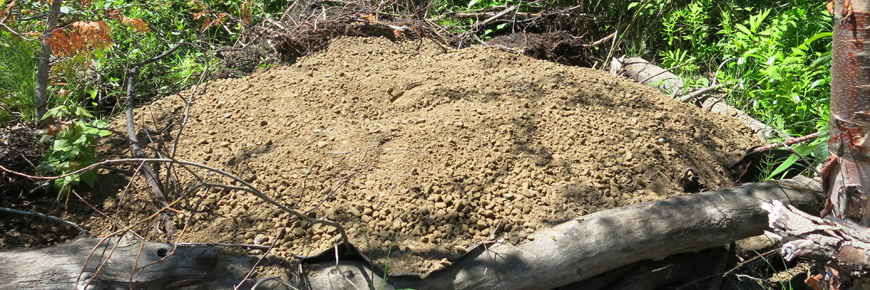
600	41
252	246
103	214
715	77
692	96
741	264
82	232
500	14
150	175
276	278
342	274
785	143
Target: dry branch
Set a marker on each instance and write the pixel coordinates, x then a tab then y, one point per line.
838	243
148	172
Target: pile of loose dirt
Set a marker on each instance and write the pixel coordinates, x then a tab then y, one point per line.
431	150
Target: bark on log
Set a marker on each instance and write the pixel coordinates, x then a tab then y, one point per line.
133	264
572	251
649	74
602	241
838	243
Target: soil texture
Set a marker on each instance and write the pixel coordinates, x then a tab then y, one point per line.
420	151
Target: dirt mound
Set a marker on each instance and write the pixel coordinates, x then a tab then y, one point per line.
429	150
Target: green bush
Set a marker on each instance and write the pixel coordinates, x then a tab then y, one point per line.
74	146
776	59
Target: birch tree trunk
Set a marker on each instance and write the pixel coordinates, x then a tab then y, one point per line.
839	240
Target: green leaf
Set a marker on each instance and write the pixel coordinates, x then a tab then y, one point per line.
818	36
743	29
823	59
56	112
821	152
785	165
471	4
62	145
82	112
89	177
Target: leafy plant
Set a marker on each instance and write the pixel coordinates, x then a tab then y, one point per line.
679	58
74	146
774	57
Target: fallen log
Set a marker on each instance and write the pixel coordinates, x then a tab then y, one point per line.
120	263
647	73
593	244
569	252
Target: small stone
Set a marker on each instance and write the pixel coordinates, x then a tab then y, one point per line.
322	144
260	239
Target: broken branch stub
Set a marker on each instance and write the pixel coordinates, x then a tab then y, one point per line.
838	243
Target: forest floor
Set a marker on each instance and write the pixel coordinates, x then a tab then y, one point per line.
420	151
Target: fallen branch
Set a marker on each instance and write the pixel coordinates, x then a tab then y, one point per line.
834	242
147	171
119	263
82	232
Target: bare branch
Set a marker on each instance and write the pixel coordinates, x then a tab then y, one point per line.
82	232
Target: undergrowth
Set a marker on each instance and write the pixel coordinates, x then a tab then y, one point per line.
772	58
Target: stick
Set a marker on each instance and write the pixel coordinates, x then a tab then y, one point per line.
82	232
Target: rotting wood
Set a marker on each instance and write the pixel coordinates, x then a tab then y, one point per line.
120	263
841	244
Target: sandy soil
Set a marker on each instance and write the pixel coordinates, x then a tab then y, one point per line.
429	150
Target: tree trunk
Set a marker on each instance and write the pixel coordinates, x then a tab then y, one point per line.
840	241
847	175
41	95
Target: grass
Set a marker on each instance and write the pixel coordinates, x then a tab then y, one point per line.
17	77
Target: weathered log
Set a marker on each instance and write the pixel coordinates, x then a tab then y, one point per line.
649	74
605	240
572	251
841	244
120	263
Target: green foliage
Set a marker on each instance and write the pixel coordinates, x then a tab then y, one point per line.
774	72
74	146
776	59
17	76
